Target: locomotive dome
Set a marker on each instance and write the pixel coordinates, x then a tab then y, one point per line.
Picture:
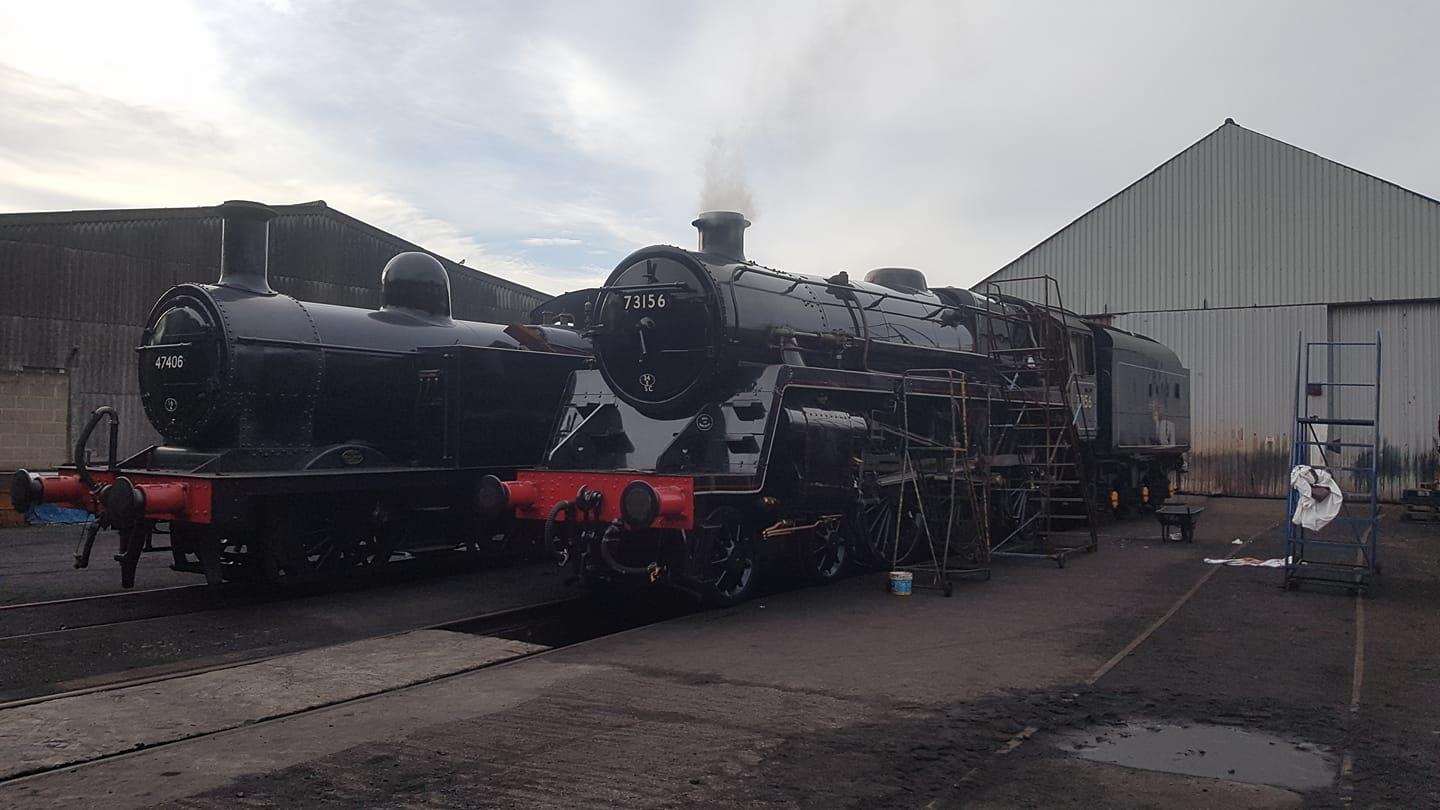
416	281
901	279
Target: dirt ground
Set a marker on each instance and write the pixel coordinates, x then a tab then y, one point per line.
848	697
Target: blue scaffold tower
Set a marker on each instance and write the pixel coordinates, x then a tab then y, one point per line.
1345	441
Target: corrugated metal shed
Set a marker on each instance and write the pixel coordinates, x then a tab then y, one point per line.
1242	382
1230	250
1240	219
76	286
1410	386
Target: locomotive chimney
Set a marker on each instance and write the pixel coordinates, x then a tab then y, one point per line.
245	246
722	233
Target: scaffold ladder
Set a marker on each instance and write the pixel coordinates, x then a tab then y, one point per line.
1040	420
1345	439
939	476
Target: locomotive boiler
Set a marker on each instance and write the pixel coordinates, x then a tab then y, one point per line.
738	413
236	365
673	323
296	442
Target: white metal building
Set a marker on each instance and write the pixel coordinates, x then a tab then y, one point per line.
1226	253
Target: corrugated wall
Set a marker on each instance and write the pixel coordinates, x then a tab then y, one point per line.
1409	387
74	295
1226	253
75	288
1242	365
1239	220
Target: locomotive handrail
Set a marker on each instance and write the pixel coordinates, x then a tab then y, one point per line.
850	297
181	345
830	285
657	287
95	416
327	346
862	326
881	296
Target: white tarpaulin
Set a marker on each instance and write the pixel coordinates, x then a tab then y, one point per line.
1278	562
1320	497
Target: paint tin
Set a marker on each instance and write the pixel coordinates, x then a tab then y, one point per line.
901	582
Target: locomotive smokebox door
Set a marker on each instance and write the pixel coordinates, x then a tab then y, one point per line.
180	358
660	321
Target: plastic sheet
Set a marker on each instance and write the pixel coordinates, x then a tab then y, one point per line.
1314	509
46	514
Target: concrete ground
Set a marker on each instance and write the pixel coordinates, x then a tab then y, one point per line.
37	563
825	697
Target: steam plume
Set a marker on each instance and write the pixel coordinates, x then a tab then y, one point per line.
725	187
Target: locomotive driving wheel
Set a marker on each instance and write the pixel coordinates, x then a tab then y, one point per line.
734	555
888	530
827	549
303	544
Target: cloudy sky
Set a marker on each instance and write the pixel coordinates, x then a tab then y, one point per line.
543	141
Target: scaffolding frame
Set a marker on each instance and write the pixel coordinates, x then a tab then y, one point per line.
937	473
1352	560
1052	468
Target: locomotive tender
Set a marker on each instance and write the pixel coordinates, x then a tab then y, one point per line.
739	412
297	444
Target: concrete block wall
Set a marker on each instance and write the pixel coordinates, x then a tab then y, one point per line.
34	408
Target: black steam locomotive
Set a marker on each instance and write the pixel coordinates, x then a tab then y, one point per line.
739	413
303	439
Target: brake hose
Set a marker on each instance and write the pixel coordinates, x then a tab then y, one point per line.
549	535
611	535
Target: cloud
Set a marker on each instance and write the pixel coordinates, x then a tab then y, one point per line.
549	241
534	140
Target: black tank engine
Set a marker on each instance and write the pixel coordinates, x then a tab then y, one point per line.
302	438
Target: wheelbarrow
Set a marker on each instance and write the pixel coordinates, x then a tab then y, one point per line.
1177	522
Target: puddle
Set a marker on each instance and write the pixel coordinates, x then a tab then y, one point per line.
1221	752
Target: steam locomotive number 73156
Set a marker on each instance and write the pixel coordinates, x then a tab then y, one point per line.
646	301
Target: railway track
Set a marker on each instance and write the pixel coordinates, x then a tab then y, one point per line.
96	597
72	614
514	621
76	613
546	626
80	643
